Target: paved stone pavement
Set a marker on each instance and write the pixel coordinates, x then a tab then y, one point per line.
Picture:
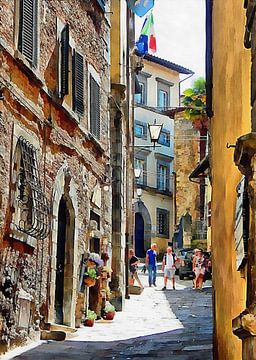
172	324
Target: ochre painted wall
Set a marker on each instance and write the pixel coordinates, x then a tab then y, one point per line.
231	106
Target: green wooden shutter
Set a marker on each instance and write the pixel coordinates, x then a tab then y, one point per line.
64	62
78	83
94	108
28	30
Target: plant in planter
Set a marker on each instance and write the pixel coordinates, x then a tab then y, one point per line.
91	316
109	311
90	277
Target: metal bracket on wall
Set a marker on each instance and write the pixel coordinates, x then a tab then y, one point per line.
228	146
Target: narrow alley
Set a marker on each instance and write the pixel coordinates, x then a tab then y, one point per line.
156	324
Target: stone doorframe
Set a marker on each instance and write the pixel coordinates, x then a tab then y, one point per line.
64	186
142	209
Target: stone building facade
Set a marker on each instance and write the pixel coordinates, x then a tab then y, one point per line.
54	157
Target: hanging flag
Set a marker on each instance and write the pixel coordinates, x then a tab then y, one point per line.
140	7
147	40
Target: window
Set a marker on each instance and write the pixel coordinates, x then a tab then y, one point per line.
78	83
142	83
94	107
164	138
163	176
163	222
141	164
141	97
140	129
163	93
28	30
162	99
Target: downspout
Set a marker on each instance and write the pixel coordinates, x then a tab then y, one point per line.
129	141
209	112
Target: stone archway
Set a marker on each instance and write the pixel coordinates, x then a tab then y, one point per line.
64	249
143	214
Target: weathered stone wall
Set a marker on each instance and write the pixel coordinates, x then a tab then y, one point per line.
30	104
186	150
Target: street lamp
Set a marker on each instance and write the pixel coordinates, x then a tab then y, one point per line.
137	173
154	132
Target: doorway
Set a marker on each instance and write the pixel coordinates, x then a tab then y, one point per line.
139	235
64	262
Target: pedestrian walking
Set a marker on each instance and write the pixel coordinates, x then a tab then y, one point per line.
168	267
151	264
199	269
133	266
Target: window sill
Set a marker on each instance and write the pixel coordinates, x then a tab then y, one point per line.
22	237
29	69
96	142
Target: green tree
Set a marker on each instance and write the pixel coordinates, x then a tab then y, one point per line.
195	101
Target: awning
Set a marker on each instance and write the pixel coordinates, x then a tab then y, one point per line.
199	171
140	7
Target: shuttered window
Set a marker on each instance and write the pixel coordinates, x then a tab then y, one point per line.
94	108
102	4
28	30
78	83
64	62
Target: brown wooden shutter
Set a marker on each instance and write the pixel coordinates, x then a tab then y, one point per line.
78	83
28	30
94	108
64	64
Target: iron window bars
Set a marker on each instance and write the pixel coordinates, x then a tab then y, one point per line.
34	216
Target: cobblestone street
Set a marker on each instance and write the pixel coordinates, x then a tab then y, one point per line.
157	324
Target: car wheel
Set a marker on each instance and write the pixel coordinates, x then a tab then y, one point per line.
181	277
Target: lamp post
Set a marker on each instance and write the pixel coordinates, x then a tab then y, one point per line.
154	132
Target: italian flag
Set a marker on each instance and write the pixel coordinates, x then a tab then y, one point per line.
147	41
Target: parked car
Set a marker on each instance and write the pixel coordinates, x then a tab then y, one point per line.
185	268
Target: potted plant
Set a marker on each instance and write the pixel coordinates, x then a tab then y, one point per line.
109	311
90	277
90	317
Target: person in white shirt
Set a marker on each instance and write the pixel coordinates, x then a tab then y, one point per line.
168	267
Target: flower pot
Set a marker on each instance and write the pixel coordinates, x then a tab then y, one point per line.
89	323
88	281
110	315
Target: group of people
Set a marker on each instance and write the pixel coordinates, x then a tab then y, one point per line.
169	263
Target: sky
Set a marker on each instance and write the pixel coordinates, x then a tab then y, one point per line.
180	34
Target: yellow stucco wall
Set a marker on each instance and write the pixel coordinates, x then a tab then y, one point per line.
231	105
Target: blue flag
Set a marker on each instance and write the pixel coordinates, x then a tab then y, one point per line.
140	7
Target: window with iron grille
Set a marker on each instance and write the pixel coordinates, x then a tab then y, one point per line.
78	82
31	211
64	61
94	107
28	30
163	216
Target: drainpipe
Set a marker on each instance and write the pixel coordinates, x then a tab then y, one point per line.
186	78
